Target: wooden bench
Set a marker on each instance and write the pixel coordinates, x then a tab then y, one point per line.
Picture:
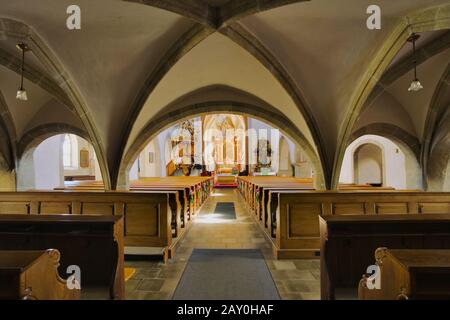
196	189
408	274
193	191
291	220
93	243
255	190
348	243
151	218
33	275
79	178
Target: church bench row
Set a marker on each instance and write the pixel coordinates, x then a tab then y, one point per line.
152	219
193	191
94	244
197	189
405	274
254	190
33	275
349	241
290	219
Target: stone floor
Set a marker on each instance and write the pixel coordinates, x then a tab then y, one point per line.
295	279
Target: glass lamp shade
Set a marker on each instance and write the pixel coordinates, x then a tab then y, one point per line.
21	95
415	86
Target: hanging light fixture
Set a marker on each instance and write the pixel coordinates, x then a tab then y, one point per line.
415	84
22	93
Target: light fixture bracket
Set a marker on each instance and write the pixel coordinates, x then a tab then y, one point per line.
413	37
23	47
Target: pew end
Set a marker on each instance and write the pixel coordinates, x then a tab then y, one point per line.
33	275
408	274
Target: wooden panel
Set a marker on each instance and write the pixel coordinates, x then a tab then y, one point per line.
391	208
303	220
55	208
97	208
348	208
15	207
142	219
434	207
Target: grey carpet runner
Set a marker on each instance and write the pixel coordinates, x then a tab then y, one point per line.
225	210
226	274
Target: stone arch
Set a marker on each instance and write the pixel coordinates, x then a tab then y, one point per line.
7	176
438	164
21	32
237	102
29	143
37	135
436	112
391	132
447	178
8	131
435	18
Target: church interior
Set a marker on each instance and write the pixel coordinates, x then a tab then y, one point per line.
224	150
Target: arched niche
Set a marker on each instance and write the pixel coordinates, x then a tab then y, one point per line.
399	169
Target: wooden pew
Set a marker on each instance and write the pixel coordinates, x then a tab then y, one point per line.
149	219
193	191
33	275
186	196
79	178
408	274
292	223
94	243
197	189
255	190
348	243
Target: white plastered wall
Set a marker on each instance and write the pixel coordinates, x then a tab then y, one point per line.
394	163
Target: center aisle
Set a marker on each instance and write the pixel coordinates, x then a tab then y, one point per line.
217	229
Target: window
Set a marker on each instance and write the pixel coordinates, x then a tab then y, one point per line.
70	151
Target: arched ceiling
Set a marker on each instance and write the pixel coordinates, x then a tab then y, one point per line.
219	61
315	61
327	47
407	110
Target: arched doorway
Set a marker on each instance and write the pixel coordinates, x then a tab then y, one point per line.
368	165
221	144
285	161
377	160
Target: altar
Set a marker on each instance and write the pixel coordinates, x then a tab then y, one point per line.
226	177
